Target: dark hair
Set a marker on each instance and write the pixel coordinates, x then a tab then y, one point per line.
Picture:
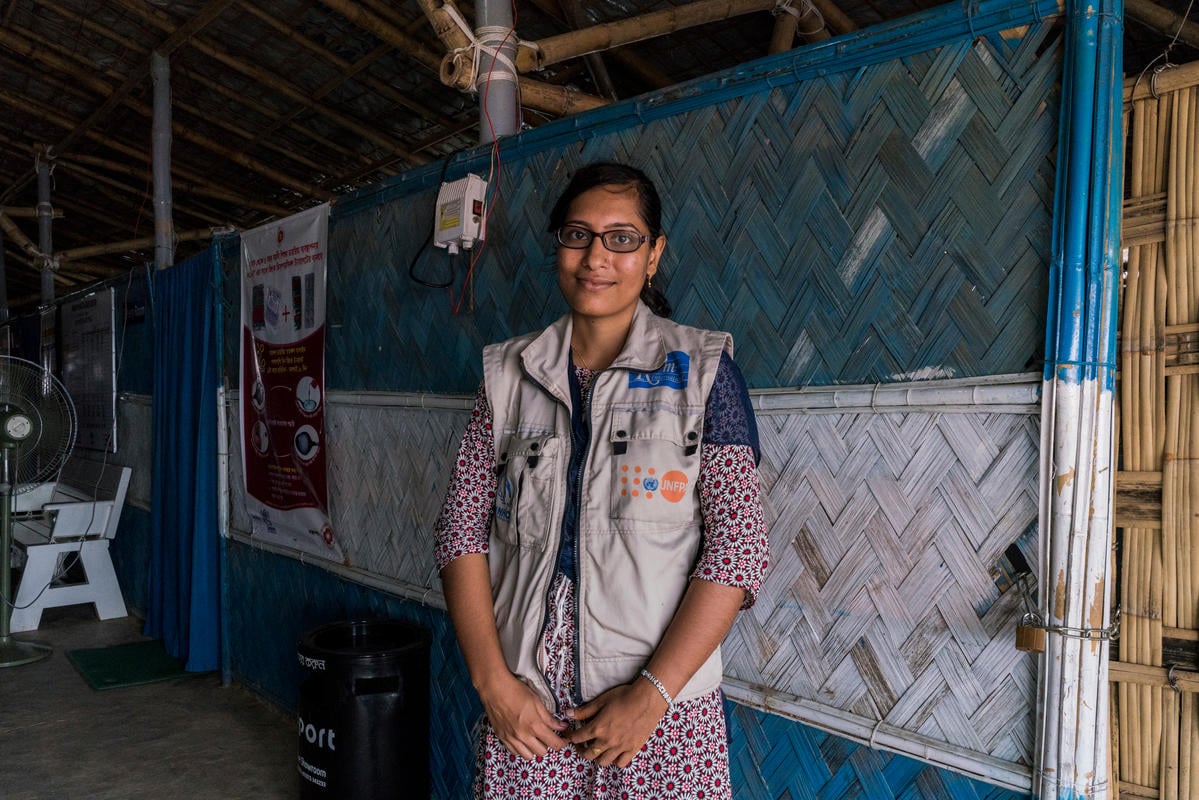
649	206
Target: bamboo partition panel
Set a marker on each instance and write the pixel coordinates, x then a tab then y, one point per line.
1155	716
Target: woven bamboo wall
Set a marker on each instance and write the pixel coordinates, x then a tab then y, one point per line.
869	226
887	598
1155	710
872	227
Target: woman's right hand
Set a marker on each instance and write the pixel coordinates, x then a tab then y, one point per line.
519	718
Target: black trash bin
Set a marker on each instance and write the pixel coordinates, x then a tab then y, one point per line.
364	711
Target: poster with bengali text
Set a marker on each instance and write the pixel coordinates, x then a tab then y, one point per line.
283	382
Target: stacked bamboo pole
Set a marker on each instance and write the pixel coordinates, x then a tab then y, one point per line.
1180	484
1158	726
1142	428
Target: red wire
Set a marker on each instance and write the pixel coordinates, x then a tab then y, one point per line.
496	173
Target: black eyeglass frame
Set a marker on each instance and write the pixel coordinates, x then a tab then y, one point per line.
641	238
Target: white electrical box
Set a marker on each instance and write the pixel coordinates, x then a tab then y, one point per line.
461	216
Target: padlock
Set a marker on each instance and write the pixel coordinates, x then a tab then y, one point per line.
1030	638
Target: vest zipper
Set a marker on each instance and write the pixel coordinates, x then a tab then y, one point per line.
549	599
577	691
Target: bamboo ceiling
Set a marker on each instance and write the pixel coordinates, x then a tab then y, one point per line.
278	105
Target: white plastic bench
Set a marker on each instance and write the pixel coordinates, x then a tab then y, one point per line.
81	517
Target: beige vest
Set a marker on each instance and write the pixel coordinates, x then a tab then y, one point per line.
639	529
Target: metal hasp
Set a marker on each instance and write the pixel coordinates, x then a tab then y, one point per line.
1077	412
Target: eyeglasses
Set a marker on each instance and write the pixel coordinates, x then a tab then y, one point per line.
577	237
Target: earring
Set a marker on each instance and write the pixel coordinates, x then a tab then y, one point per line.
649	282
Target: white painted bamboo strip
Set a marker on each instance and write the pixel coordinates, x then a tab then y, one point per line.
1012	394
1002	394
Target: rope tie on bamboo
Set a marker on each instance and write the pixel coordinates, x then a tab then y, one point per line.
971	7
786	7
1172	679
874	732
488	41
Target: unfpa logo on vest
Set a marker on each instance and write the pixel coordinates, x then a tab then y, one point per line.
643	483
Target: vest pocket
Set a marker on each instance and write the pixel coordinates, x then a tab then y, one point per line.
655	464
525	491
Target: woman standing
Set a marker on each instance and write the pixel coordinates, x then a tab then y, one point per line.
603	525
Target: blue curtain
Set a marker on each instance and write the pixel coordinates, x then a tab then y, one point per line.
183	608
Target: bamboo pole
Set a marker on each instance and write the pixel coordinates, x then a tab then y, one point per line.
555	49
18	237
141	243
782	36
1163	20
645	70
139	192
349	69
17	212
264	138
231	154
270	81
182	185
837	20
1171	80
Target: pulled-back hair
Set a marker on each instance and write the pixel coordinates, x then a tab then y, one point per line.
649	207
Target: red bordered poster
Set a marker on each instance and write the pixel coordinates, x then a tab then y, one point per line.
283	447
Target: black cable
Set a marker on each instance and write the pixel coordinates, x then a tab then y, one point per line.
445	165
412	264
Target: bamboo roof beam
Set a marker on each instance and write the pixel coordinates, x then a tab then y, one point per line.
18	237
782	36
350	69
595	62
555	49
262	139
136	47
53	117
1163	20
113	97
142	243
1169	80
196	138
834	18
141	75
643	68
181	208
272	82
83	76
274	116
534	94
387	31
179	184
14	212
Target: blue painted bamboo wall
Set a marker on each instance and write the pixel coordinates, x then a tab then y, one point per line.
860	227
274	599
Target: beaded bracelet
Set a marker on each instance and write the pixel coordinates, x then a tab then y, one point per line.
649	676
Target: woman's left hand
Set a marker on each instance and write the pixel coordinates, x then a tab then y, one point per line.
618	723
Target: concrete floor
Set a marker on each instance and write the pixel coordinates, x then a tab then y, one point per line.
181	739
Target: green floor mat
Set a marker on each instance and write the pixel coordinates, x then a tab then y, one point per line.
132	664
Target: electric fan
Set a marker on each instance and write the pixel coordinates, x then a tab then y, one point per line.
37	432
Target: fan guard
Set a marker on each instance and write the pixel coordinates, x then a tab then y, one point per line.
37	433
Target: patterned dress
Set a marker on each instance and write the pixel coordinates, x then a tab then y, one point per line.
687	755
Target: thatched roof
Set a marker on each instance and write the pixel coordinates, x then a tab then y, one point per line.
279	105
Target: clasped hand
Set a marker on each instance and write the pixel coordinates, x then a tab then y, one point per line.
618	723
614	726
